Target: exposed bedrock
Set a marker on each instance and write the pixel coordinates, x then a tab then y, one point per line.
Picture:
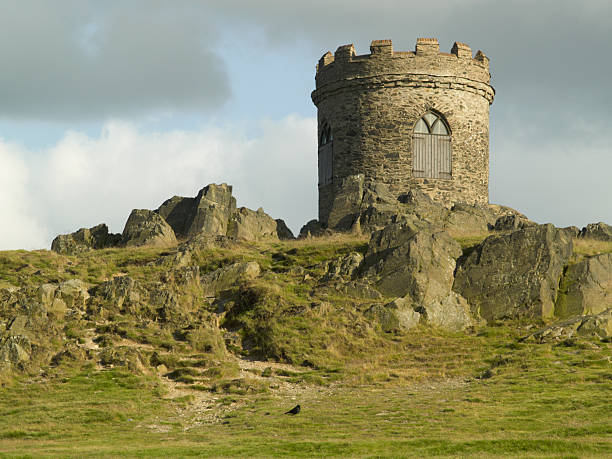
516	274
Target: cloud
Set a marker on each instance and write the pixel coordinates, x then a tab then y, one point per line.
20	226
82	180
82	59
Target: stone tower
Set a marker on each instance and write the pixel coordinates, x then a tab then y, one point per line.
407	119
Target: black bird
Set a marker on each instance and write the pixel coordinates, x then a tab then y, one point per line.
294	410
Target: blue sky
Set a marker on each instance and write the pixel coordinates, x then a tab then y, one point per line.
109	106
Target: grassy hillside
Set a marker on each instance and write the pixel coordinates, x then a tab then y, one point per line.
184	374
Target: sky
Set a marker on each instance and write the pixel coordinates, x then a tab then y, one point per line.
115	105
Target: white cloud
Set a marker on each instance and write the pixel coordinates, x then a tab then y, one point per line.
83	180
19	227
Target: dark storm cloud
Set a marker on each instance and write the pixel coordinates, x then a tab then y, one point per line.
84	59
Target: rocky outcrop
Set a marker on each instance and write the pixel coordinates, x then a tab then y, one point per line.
416	265
209	215
590	326
252	225
404	260
58	299
147	228
282	230
84	240
516	274
598	231
342	268
512	222
586	287
228	277
398	315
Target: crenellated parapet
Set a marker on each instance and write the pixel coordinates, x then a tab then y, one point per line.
426	66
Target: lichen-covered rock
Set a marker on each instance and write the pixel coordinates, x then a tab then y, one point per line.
598	231
404	260
398	315
147	228
346	204
512	222
282	230
469	219
516	274
313	229
228	277
342	268
84	240
122	293
58	299
451	313
250	225
586	287
590	326
214	205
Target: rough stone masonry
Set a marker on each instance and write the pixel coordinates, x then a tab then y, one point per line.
369	108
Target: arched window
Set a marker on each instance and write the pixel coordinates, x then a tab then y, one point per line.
431	146
326	152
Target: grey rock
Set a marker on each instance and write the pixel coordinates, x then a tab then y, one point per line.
398	315
147	228
282	230
214	205
450	313
590	326
342	268
347	203
178	212
404	260
246	224
120	292
85	239
512	222
58	299
313	229
516	274
586	287
229	277
359	289
598	231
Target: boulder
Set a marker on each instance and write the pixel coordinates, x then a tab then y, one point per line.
590	326
214	205
228	277
586	287
282	230
178	212
346	204
516	274
208	213
404	260
85	239
512	222
120	293
398	315
452	312
58	299
313	228
469	219
250	225
342	268
598	231
147	228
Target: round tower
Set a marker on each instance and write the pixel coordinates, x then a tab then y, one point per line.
407	119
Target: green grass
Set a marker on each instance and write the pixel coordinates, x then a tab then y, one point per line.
183	384
540	401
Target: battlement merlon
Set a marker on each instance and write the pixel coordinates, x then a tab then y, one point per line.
426	58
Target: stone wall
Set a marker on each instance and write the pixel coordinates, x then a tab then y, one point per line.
372	103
